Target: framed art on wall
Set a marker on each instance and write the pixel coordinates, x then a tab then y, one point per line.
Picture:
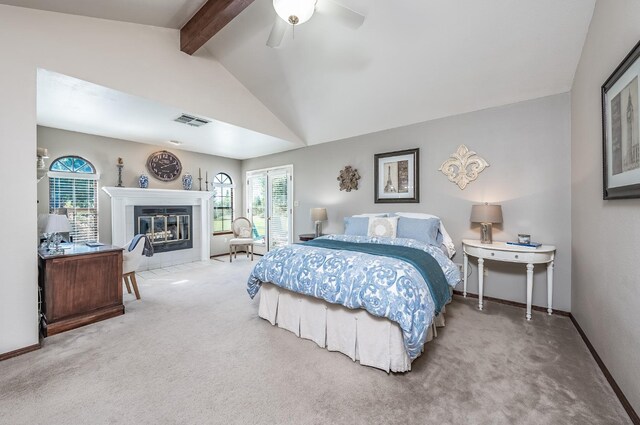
396	176
620	129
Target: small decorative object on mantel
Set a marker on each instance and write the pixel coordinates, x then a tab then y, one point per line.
120	164
396	176
463	166
206	181
348	178
620	129
143	181
199	179
187	181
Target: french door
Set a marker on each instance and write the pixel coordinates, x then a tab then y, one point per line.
270	206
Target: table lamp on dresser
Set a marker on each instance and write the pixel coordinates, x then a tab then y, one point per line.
486	215
52	226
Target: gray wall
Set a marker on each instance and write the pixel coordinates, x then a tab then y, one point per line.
528	148
606	280
103	153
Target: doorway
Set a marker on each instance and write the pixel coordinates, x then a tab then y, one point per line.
269	200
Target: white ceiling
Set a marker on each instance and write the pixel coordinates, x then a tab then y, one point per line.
159	13
411	61
76	105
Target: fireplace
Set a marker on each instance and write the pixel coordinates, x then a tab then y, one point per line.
194	244
169	228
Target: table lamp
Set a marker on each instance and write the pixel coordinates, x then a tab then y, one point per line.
318	215
486	215
55	224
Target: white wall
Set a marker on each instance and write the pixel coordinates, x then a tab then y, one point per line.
103	153
606	234
137	59
527	145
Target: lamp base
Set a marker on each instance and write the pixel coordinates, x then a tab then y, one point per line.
318	229
485	233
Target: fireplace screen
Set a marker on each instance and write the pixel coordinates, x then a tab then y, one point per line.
168	228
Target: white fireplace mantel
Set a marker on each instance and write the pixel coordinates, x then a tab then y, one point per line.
123	199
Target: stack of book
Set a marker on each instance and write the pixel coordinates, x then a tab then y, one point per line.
533	245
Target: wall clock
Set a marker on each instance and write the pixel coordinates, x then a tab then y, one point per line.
164	166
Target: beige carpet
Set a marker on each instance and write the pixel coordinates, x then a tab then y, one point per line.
193	351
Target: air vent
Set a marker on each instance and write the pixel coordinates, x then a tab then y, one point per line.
191	120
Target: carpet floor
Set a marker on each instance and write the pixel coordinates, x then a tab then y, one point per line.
193	351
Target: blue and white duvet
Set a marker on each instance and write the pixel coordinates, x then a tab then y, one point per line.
384	286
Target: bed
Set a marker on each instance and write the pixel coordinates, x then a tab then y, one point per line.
377	298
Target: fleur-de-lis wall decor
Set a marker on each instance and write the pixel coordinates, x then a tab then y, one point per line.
463	166
348	178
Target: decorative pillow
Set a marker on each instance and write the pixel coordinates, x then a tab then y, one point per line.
443	236
383	226
245	232
356	226
423	230
372	215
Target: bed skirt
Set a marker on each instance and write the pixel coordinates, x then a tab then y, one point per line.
371	340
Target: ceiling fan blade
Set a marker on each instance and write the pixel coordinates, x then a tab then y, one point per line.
345	15
277	32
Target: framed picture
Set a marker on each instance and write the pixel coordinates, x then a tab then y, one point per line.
396	176
620	128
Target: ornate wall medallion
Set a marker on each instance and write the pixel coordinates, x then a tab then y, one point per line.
463	166
348	178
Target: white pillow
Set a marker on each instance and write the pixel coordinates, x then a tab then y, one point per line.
371	215
446	239
383	226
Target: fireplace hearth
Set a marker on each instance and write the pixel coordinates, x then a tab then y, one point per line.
169	228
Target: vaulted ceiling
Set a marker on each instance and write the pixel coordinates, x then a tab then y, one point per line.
159	13
411	61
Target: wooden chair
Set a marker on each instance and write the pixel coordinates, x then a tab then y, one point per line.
242	236
130	262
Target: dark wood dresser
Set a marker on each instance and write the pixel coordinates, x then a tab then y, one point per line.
80	286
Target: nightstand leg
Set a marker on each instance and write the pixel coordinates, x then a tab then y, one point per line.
465	265
480	281
529	289
550	287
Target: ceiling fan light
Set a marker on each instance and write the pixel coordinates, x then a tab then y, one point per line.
295	12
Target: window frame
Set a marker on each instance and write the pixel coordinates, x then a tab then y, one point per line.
219	183
76	174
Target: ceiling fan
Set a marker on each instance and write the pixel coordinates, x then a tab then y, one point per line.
292	13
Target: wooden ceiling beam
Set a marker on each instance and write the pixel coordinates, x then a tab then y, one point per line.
210	19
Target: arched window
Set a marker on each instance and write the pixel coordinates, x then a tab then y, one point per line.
73	191
222	203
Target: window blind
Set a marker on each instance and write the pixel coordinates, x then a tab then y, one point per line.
257	194
79	197
279	223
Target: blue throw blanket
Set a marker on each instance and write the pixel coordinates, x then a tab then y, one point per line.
383	285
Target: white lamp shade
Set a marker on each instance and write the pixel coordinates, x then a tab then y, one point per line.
486	213
319	214
57	224
302	9
42	222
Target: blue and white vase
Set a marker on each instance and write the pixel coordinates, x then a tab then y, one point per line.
143	181
187	181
